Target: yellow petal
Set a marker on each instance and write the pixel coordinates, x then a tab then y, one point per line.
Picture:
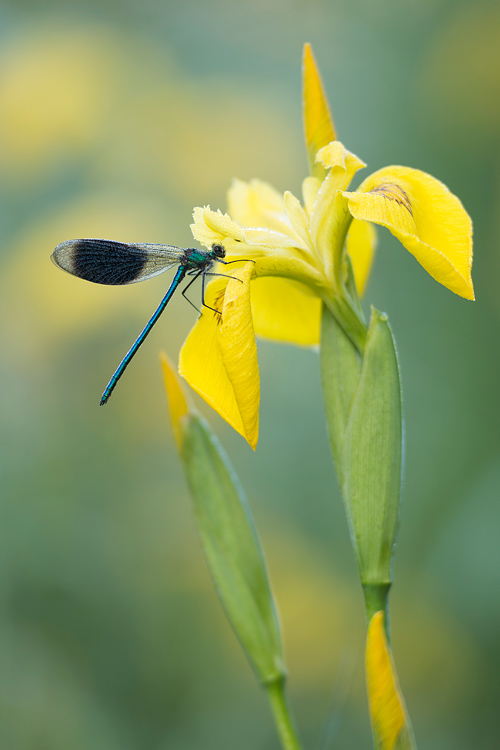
256	204
219	357
329	213
282	312
335	154
276	241
297	218
214	226
427	219
246	242
310	188
387	707
293	268
318	123
361	242
177	401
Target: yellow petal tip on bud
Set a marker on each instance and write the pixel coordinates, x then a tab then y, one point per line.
178	404
387	707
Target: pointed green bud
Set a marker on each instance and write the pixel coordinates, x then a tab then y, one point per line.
228	537
373	455
363	411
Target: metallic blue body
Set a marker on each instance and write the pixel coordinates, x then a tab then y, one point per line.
181	272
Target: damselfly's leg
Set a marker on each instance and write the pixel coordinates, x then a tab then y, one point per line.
198	273
209	273
240	260
204	304
224	275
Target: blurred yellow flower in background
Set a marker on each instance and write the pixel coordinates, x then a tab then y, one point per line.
54	94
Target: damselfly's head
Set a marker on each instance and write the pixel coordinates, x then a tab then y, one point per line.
218	251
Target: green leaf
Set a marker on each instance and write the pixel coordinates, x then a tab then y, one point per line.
373	455
232	549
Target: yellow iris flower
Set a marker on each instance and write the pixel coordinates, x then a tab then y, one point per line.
305	254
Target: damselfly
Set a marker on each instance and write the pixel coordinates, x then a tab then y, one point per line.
116	263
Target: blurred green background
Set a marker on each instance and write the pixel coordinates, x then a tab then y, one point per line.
116	118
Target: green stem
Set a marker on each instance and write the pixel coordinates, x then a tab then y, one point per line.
349	319
377	599
282	718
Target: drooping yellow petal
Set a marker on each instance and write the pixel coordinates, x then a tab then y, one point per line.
219	357
282	312
387	709
318	123
361	243
427	219
239	351
177	401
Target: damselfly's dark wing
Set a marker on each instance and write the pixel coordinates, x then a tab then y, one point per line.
109	262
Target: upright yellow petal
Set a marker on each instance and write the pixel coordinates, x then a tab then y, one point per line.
219	357
211	227
318	123
361	242
282	312
256	204
177	401
268	239
329	215
298	220
387	709
427	219
310	189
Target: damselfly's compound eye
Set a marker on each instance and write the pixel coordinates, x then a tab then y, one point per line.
218	251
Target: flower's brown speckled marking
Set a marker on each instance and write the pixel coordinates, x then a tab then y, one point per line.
218	304
394	193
